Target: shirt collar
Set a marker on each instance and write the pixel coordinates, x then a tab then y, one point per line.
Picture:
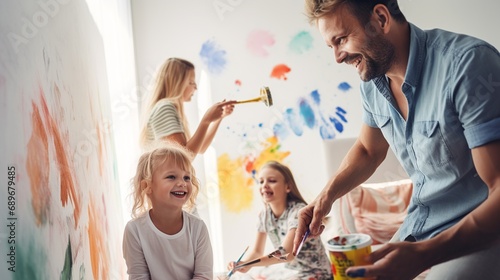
416	57
415	60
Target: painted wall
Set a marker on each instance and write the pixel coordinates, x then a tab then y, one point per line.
239	46
61	203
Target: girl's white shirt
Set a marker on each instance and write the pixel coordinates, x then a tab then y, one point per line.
152	254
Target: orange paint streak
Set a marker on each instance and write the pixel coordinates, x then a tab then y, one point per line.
37	167
99	258
279	71
68	188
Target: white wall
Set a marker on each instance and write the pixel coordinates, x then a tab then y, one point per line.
166	28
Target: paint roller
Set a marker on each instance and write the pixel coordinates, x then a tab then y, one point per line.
265	96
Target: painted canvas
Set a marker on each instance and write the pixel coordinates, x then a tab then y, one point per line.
60	198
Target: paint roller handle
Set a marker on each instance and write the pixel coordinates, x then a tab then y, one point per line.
257	99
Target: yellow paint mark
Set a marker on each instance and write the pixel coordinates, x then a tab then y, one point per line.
235	176
234	189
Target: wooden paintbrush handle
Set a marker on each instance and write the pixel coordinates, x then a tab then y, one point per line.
257	99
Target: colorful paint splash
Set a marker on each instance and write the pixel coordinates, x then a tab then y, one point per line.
307	113
279	71
236	176
258	41
344	86
213	57
301	43
99	258
311	115
37	161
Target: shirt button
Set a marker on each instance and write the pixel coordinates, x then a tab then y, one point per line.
409	142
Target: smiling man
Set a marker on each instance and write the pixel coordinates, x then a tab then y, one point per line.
433	98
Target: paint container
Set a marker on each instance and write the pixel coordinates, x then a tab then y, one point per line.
348	250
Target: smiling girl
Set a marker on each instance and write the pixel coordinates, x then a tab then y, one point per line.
164	117
278	221
163	241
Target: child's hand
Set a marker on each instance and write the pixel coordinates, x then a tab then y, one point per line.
219	110
232	265
227	110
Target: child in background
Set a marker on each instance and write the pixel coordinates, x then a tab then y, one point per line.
278	221
164	116
163	241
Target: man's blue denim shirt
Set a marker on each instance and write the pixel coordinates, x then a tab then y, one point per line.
452	85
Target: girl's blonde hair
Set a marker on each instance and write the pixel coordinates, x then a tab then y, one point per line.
156	155
170	84
294	194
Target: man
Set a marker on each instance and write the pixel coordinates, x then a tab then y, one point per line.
433	97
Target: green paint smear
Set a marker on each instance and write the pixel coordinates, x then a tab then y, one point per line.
31	261
68	263
301	43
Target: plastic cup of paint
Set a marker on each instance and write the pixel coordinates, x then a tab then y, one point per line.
348	250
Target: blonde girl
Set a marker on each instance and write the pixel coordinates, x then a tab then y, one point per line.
164	116
163	241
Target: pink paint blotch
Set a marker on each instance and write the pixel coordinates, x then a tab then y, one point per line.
279	71
258	41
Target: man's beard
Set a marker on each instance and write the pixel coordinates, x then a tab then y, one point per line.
378	55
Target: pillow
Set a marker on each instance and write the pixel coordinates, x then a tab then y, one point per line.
379	209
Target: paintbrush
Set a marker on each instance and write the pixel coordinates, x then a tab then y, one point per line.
265	96
248	263
237	261
306	234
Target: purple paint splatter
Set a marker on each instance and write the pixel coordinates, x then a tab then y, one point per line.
213	57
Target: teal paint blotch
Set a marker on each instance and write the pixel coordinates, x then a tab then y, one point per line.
301	42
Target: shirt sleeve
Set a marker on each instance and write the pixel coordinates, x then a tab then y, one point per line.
165	121
261	221
293	215
137	268
477	94
203	267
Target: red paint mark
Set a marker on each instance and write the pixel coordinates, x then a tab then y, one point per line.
279	71
67	185
37	167
237	82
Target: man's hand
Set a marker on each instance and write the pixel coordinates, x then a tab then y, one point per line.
311	217
393	261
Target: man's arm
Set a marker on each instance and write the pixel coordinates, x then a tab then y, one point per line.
480	228
476	231
367	153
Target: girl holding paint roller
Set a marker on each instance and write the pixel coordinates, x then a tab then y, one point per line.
164	116
278	221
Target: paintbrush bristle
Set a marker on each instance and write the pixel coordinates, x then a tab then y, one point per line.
266	96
